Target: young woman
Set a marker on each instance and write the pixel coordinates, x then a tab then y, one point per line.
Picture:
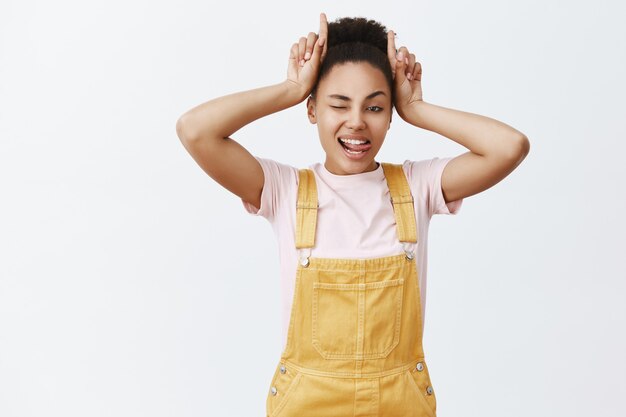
352	231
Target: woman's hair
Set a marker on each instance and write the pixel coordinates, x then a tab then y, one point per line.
356	39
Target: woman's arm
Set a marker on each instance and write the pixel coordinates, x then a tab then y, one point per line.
223	116
205	130
496	148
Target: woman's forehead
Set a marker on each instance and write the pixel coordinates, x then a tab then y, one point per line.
353	81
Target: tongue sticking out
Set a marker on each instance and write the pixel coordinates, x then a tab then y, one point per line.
356	148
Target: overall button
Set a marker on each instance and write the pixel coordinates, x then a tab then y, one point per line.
283	369
429	390
304	262
274	390
419	366
409	255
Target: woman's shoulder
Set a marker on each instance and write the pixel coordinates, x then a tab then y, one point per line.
280	163
279	184
277	166
280	177
425	168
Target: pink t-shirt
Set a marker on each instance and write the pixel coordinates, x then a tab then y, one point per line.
355	217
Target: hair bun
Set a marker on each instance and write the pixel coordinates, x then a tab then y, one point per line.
357	29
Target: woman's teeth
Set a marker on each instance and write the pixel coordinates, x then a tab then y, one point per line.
353	141
355	146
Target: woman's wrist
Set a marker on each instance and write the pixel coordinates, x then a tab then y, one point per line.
294	91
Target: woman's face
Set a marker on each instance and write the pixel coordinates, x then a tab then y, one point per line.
353	102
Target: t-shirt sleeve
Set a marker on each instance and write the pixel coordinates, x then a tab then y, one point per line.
278	178
427	173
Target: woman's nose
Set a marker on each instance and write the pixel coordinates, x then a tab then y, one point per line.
355	119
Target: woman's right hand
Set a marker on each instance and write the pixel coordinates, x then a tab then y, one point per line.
305	59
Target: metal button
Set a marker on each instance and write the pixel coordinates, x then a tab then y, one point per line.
409	255
419	366
283	369
304	262
274	390
429	390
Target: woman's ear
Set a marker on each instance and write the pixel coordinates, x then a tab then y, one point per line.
310	109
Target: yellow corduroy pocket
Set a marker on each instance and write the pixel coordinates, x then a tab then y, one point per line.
343	313
423	387
284	382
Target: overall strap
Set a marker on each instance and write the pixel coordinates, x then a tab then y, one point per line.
402	201
306	209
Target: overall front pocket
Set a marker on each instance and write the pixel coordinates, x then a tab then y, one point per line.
422	387
284	382
357	321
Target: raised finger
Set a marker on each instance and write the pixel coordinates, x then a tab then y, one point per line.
391	48
301	50
323	34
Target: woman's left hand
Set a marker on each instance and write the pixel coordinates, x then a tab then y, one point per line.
407	76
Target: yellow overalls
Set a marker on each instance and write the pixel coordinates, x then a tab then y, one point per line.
354	343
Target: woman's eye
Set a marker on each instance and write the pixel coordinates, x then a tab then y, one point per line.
335	107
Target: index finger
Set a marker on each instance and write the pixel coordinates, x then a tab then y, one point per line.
391	46
323	33
323	26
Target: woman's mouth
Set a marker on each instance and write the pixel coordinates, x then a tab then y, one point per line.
355	149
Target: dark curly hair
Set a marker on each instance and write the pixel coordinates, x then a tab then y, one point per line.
356	39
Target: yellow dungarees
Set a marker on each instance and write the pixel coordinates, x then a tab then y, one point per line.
354	343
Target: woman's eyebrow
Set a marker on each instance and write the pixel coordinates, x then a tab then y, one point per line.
345	98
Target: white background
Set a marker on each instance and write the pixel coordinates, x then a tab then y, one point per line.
132	284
